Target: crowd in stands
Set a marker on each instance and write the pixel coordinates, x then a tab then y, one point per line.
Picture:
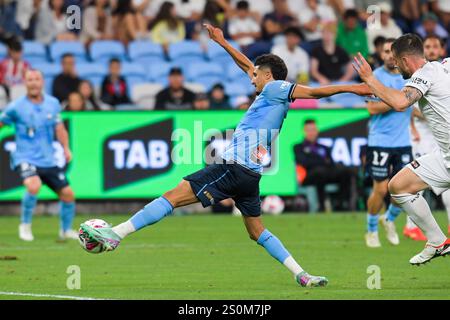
111	54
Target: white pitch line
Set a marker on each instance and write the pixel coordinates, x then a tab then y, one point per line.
36	295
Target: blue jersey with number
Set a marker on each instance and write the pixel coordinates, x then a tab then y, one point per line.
390	129
35	130
252	139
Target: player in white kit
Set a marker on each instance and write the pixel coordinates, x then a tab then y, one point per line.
424	142
428	84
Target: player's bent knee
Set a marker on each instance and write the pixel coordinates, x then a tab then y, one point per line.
67	195
33	185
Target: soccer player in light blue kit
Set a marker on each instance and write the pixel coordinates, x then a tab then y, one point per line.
238	175
36	118
389	150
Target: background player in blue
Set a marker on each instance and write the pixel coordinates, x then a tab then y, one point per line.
389	150
238	176
36	118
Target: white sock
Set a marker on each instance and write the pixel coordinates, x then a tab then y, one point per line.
292	265
124	229
418	209
446	201
409	223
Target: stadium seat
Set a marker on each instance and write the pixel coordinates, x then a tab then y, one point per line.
50	71
195	87
217	54
186	52
59	48
94	72
145	52
17	91
3	51
235	89
104	50
205	73
34	52
144	94
234	73
158	72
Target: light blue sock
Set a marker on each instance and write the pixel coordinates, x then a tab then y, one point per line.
273	246
28	204
392	212
152	213
66	214
372	222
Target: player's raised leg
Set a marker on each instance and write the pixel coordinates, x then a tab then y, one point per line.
405	189
67	213
29	200
275	248
153	212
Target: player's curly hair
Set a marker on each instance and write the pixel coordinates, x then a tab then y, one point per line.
275	64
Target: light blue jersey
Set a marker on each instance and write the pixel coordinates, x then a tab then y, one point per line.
252	139
35	130
390	129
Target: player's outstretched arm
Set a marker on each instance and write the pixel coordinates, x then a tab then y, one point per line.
305	92
377	107
241	60
398	100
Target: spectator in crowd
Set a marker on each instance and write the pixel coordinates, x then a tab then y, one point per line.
127	24
214	13
242	103
97	22
276	22
175	97
51	23
316	162
140	8
218	100
313	17
243	27
114	87
201	102
87	92
260	8
296	59
167	28
409	10
67	81
8	21
13	68
351	36
386	27
75	102
430	26
26	16
330	62
363	5
435	48
442	7
375	60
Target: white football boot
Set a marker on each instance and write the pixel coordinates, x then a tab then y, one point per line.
391	232
372	240
431	252
25	233
69	234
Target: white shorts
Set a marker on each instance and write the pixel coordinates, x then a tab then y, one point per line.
423	147
431	169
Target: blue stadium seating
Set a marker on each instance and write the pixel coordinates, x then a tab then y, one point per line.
94	72
145	52
2	51
59	48
104	50
200	69
50	71
158	72
34	52
217	54
235	89
234	73
134	73
186	52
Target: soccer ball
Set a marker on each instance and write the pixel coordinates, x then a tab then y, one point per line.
89	245
272	205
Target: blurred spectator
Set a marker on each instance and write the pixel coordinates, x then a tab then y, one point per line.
375	60
190	10
243	28
127	24
68	81
75	102
430	26
201	102
261	7
434	48
409	10
214	13
97	22
363	5
51	23
296	59
351	36
218	100
8	23
276	22
114	87
316	160
87	92
175	97
442	7
140	8
167	28
386	27
13	67
27	17
313	17
330	62
242	103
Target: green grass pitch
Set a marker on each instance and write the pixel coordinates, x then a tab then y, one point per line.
211	257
